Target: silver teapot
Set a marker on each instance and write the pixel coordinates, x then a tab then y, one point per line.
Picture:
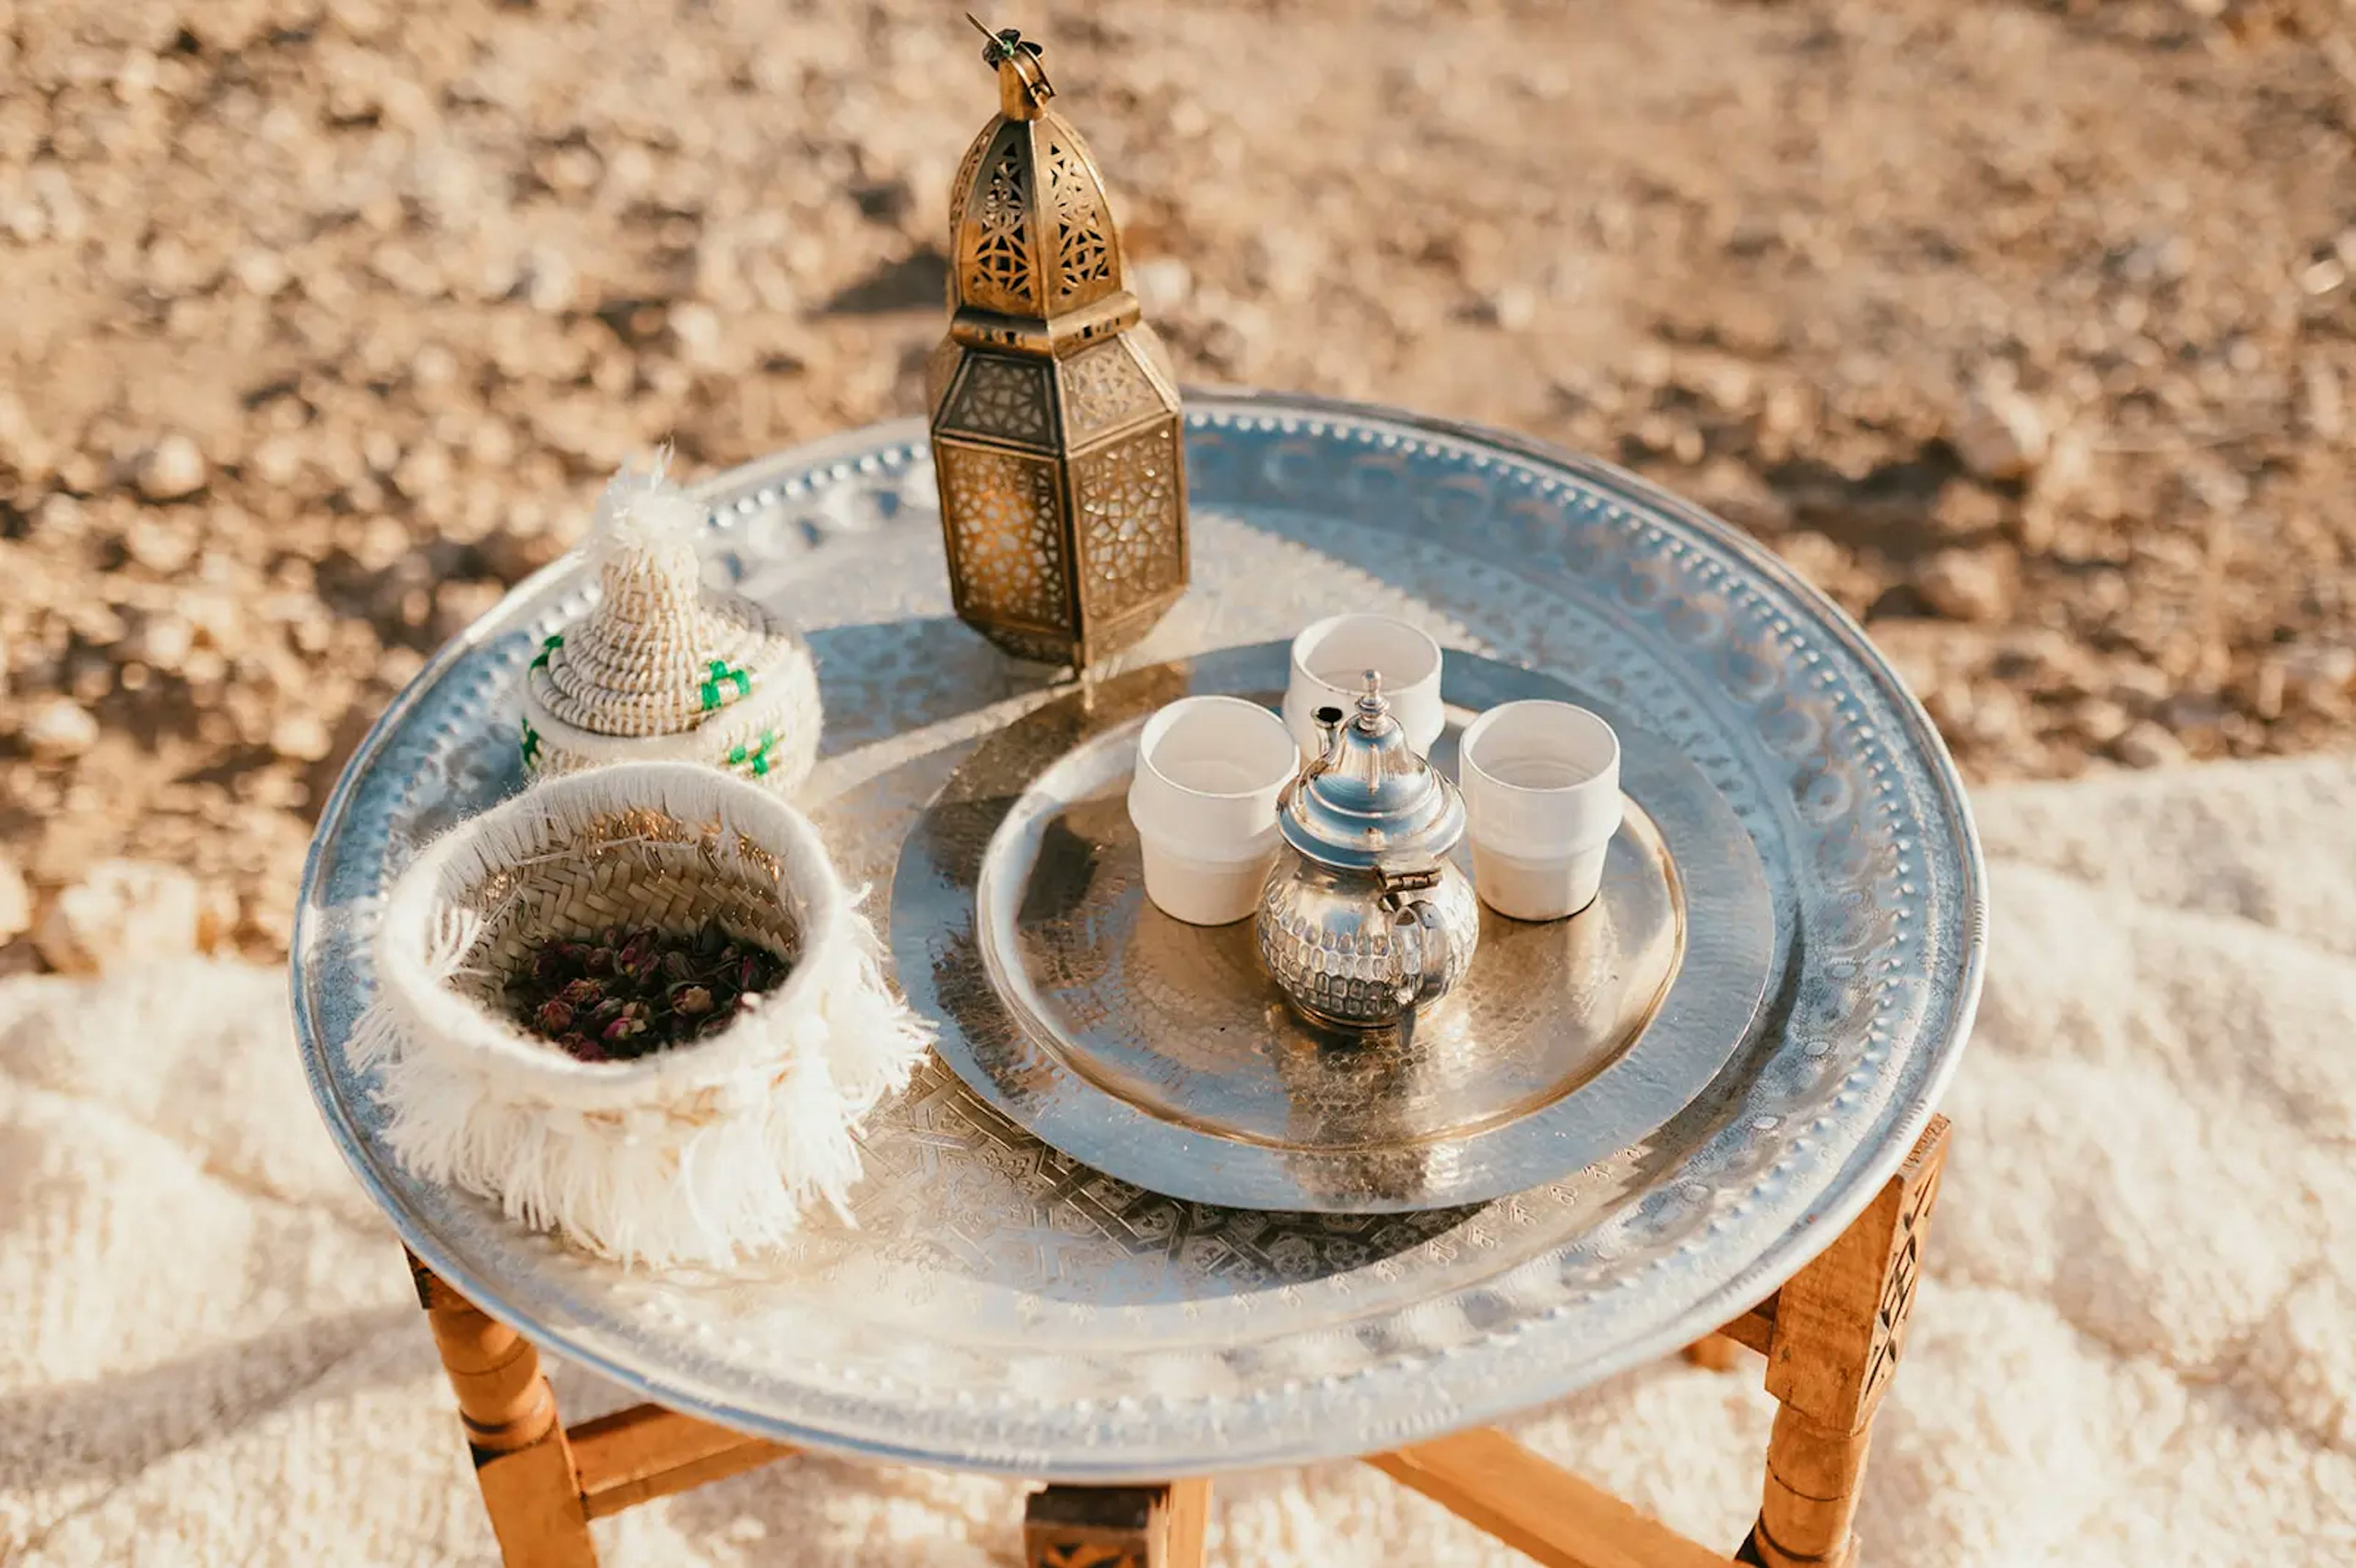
1364	918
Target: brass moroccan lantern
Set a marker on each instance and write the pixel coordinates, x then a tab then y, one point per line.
1055	412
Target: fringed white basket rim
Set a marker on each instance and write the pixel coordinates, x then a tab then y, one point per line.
422	942
692	1155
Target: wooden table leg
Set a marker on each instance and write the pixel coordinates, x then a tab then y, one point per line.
1840	1329
1533	1505
1712	1353
1116	1527
522	1461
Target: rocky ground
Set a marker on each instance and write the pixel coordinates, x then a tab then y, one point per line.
2024	329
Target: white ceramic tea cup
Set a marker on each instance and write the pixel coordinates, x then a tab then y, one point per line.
1542	788
1330	660
1204	801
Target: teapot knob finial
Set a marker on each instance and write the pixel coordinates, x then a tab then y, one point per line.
1372	704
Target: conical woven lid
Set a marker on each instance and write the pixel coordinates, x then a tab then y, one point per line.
658	654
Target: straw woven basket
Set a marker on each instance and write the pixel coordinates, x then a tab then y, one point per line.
695	1154
662	667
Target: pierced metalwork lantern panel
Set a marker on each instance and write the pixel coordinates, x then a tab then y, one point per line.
1106	387
1002	240
1001	398
1006	538
1054	414
1122	490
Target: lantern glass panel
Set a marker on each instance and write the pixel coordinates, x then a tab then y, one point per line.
1132	550
1006	537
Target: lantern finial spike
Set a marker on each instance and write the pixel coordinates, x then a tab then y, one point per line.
1022	84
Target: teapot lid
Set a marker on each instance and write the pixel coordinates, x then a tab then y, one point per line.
1371	802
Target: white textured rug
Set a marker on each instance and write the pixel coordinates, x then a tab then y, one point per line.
2137	1343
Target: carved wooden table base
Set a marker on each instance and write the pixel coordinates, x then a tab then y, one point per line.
1832	1337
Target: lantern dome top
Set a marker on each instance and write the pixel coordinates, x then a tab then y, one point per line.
1030	229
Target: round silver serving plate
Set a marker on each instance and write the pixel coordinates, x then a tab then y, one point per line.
1161	1052
999	1305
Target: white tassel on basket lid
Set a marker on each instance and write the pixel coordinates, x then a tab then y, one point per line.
698	1154
663	668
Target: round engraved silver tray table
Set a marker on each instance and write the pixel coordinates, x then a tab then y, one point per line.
1000	1306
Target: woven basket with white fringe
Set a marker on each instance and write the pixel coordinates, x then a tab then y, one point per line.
693	1154
661	667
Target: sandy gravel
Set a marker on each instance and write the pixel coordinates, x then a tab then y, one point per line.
2024	329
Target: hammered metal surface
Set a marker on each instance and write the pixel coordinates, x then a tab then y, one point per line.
1334	946
1159	1053
1002	1306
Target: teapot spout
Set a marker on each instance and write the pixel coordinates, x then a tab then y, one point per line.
1329	728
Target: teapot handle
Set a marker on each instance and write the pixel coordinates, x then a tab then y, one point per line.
1417	928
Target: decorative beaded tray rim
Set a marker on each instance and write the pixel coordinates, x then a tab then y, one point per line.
1000	1306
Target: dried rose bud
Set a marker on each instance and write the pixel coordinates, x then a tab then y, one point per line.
658	989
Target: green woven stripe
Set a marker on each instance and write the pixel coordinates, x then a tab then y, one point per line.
530	741
546	651
721	674
754	758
